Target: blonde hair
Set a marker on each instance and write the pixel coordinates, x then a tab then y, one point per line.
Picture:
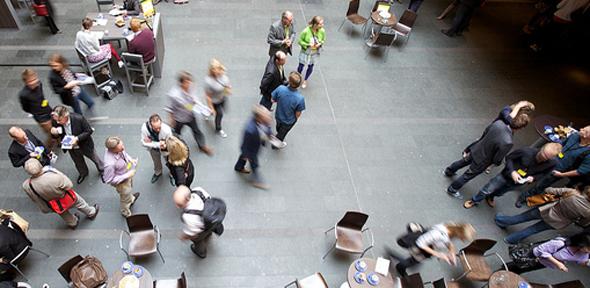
177	149
553	149
135	24
215	65
463	231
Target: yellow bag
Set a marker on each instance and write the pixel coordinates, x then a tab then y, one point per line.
14	217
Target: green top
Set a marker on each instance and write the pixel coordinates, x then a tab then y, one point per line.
307	36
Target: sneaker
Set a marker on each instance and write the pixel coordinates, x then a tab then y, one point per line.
77	222
222	133
121	64
453	192
304	85
498	223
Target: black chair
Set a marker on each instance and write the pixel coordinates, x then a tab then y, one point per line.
104	2
171	283
568	284
381	39
20	256
353	16
405	24
349	234
144	237
66	268
412	281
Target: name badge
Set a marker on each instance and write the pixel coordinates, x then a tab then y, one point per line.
129	165
521	172
560	155
188	107
44	103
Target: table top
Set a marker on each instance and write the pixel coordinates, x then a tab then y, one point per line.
553	121
114	32
145	281
504	279
384	281
391	21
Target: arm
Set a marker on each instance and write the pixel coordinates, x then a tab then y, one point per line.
136	9
86	130
275	95
179	176
304	39
65	183
272	37
266	82
145	139
24	103
501	153
57	87
110	177
546	251
16	159
298	114
571	173
560	191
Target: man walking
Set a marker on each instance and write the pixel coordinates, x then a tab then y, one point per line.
274	76
462	17
47	184
26	146
76	127
119	170
290	104
281	35
32	100
153	137
257	131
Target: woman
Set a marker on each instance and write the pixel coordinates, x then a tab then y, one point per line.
45	8
217	88
88	44
64	82
181	167
573	206
434	242
312	38
554	254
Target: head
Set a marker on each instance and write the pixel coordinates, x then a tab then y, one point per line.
87	23
18	134
280	58
33	167
61	114
580	241
181	196
585	133
185	80
520	121
30	78
287	18
462	231
58	63
294	80
262	115
216	69
114	144
316	22
527	108
178	151
156	123
135	25
549	151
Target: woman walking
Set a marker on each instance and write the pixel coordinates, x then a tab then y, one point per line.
182	171
65	83
311	40
217	88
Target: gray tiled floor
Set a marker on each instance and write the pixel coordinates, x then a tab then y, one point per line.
375	137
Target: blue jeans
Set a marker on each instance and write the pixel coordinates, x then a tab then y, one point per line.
529	215
84	97
496	187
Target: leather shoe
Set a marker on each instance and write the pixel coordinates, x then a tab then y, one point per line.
81	179
201	255
243	171
453	192
135	196
96	209
207	150
448	172
155	178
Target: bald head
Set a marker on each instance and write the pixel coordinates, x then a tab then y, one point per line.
33	167
280	58
18	134
286	18
181	196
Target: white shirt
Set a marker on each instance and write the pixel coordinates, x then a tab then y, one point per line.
437	237
193	224
165	131
87	43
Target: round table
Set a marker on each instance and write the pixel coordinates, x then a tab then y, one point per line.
505	279
540	122
383	22
384	281
145	281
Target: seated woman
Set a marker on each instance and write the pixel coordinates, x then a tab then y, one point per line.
64	82
573	206
90	46
181	167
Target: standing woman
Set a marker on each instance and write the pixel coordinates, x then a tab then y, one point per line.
217	88
64	82
90	46
312	38
181	167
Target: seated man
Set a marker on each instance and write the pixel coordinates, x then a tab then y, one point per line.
143	42
12	241
132	7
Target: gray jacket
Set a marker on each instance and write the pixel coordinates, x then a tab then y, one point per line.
493	146
276	35
180	104
50	185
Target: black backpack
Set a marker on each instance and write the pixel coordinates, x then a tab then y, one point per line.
213	213
414	231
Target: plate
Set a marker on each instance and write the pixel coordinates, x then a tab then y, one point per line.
129	281
360	265
373	279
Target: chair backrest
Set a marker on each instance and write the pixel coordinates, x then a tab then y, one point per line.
65	268
353	220
133	59
408	18
384	39
479	246
413	281
82	57
139	222
313	281
440	283
569	284
384	3
182	281
353	7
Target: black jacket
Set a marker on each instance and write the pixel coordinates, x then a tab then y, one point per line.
132	6
182	175
19	155
34	102
12	241
81	129
57	84
493	146
271	78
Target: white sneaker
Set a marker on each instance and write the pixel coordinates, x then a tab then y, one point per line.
304	85
283	145
222	133
121	64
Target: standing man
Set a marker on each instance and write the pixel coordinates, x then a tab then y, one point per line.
119	170
290	104
274	76
33	101
256	133
75	125
153	137
182	100
281	35
491	148
462	17
46	184
26	146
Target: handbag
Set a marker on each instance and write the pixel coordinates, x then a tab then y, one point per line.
59	205
14	217
540	199
88	273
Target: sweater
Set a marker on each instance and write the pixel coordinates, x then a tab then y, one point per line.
306	36
143	44
87	43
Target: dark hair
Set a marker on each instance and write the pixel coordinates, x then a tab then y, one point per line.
315	20
184	76
520	121
87	23
155	117
579	240
56	57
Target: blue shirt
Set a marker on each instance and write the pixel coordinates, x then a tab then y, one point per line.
288	101
571	150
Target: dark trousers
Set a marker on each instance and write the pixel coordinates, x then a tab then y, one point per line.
462	18
201	242
241	164
219	109
78	158
529	215
283	129
513	267
404	263
51	24
199	137
266	101
84	97
469	174
415	5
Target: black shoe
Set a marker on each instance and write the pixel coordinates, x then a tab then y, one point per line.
448	172
136	196
243	171
155	178
402	272
97	208
194	249
453	192
171	181
81	179
446	32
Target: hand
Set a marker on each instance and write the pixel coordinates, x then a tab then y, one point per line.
452	259
530	179
515	177
287	42
75	140
71	84
465	154
132	173
33	154
125	13
54	131
162	145
557	174
562	267
147	140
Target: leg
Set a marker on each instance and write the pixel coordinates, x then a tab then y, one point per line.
505	221
199	246
469	174
96	159
240	164
114	52
78	158
199	137
71	220
254	166
218	115
513	267
462	11
46	127
491	189
157	159
178	127
447	10
76	106
403	265
300	68
51	24
465	21
266	101
87	99
455	166
126	196
526	232
309	71
83	206
283	129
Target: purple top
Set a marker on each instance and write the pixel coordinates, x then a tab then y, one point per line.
554	248
117	167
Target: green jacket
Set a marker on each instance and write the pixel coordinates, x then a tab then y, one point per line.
306	35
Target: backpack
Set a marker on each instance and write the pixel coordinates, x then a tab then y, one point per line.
408	240
111	89
522	253
213	213
88	273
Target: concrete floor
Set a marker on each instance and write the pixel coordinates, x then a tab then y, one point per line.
375	137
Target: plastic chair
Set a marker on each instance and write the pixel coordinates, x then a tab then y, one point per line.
134	65
405	24
94	70
349	234
171	283
144	237
314	281
66	268
473	260
353	16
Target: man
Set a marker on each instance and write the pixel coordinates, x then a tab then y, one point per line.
256	132
76	126
462	17
523	165
274	76
12	242
573	162
48	184
153	137
131	7
490	149
26	146
33	101
290	104
201	216
281	34
182	100
143	41
119	170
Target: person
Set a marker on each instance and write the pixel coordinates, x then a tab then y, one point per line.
153	136
76	126
12	242
48	15
131	7
415	5
26	146
274	76
88	44
572	207
182	100
290	104
143	41
281	34
523	165
119	170
448	10
257	131
312	38
47	184
490	149
217	88
465	11
573	162
197	208
65	83
182	171
434	242
561	20
555	253
33	101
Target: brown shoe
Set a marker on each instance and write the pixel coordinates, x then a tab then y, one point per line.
491	202
469	204
243	171
261	185
96	209
206	150
135	196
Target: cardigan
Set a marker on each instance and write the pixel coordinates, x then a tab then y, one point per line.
306	35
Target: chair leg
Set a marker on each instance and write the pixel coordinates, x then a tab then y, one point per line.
19	272
342	24
39	251
161	257
329	230
365	251
329	251
291	283
145	81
